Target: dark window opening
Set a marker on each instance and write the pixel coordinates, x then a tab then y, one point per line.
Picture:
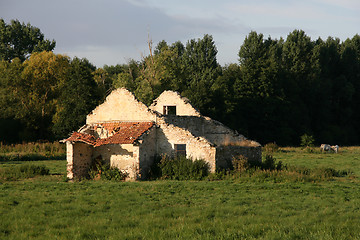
169	110
180	149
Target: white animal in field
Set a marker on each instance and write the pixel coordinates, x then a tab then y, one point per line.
335	148
325	147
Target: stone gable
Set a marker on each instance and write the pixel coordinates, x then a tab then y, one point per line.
174	99
121	105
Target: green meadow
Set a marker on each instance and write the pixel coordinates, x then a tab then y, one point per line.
49	207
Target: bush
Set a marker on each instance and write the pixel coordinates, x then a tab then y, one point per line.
23	171
106	172
240	163
182	168
271	147
307	141
269	163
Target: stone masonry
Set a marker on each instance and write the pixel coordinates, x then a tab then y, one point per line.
127	134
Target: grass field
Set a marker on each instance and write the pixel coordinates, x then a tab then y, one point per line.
348	158
46	207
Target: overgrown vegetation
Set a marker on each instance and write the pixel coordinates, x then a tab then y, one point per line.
179	168
275	171
107	172
23	171
271	148
32	151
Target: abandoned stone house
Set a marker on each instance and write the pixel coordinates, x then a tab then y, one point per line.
127	134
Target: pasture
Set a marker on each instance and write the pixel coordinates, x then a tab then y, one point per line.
47	207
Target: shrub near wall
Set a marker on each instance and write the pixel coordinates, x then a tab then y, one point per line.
182	168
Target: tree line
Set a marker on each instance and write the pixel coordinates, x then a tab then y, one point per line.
279	90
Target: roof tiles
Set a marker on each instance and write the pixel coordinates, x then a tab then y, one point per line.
123	133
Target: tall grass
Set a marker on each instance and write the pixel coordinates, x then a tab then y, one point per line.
23	171
32	151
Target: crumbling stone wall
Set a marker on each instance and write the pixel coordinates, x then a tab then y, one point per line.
212	130
117	155
196	147
79	159
225	154
121	105
147	152
170	98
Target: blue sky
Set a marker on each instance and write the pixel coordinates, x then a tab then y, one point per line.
114	31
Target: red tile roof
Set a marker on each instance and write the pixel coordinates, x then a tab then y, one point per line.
124	133
82	137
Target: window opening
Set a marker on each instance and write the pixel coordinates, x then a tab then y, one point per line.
180	149
169	110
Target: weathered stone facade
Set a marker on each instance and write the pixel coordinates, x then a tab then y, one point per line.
127	134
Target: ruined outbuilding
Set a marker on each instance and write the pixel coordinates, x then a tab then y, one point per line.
127	134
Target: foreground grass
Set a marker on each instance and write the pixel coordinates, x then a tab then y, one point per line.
179	210
45	207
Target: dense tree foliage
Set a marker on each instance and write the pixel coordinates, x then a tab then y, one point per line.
47	96
279	90
79	95
18	40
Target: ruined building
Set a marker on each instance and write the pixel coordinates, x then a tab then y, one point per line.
127	134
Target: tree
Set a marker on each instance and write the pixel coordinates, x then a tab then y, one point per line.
10	127
260	101
156	72
201	69
35	91
79	95
104	81
260	66
18	40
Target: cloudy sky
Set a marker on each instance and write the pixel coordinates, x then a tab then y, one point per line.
114	31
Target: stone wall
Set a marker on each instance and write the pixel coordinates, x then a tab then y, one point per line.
79	159
70	160
212	130
225	154
196	147
118	155
121	105
170	98
147	152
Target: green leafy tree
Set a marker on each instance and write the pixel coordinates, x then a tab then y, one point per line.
79	95
156	72
260	101
10	127
19	40
307	141
127	77
201	69
299	75
33	93
104	82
